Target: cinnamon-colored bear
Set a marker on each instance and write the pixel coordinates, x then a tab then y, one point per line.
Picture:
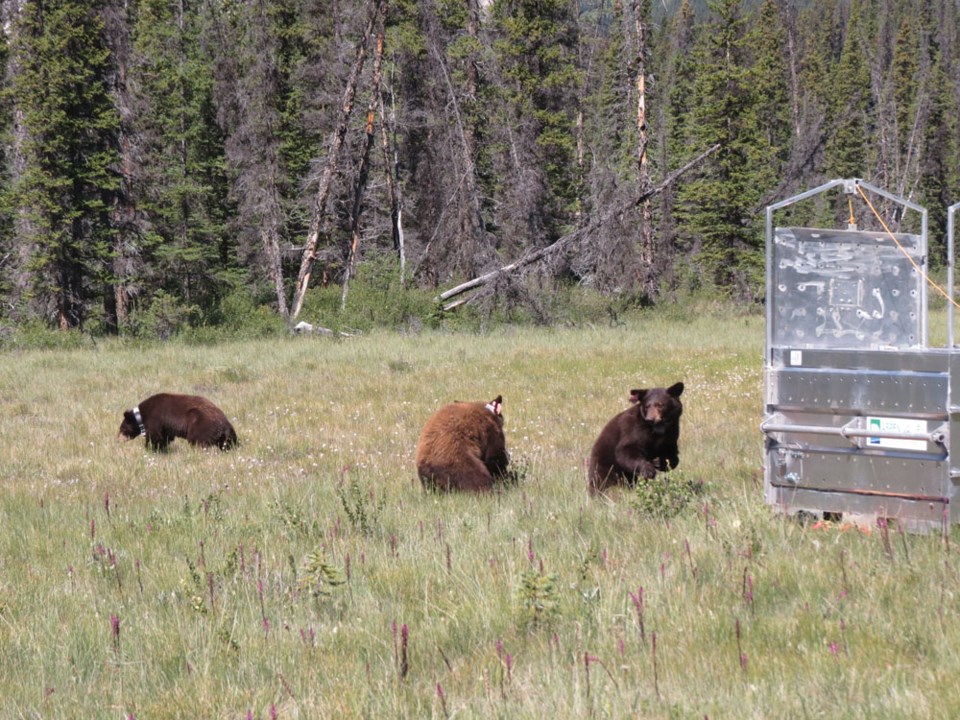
462	447
639	441
161	418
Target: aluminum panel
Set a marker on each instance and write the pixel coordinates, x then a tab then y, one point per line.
930	360
924	479
858	392
914	514
846	289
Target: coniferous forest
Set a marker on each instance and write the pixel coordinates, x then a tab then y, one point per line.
165	159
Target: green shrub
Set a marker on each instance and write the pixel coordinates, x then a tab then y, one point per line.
35	334
164	317
239	317
539	597
375	298
666	495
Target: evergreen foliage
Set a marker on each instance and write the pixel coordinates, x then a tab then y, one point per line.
160	158
69	125
717	206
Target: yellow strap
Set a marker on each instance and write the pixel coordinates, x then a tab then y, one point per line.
903	250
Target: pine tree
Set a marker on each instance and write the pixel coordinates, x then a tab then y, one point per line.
849	105
719	205
68	181
536	52
675	114
181	177
263	45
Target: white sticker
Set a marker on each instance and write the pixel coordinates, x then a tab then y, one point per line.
796	357
901	426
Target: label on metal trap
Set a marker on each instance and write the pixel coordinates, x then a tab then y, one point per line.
897	425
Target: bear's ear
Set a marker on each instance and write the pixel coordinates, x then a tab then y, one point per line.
128	415
675	390
637	395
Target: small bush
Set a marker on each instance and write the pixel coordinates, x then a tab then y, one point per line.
239	317
665	496
363	510
539	597
320	577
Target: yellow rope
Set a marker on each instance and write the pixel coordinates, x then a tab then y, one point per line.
903	250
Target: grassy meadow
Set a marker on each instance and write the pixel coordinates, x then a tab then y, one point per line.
306	574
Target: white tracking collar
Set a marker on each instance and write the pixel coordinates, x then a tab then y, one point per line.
139	419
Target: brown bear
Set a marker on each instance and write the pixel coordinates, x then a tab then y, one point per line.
161	418
639	441
462	447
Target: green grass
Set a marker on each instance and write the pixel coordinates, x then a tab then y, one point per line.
221	568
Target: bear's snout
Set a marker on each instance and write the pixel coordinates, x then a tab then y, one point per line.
654	415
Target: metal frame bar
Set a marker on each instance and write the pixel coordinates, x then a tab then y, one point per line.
937	437
951	228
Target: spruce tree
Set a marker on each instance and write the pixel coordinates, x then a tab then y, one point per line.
769	85
536	51
939	161
264	45
610	258
677	79
719	207
192	259
67	183
849	104
8	240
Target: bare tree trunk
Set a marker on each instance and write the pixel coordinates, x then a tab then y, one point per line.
364	168
320	202
790	24
647	249
123	217
390	165
471	224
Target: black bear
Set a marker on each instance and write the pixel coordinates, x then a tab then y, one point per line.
640	440
462	447
161	418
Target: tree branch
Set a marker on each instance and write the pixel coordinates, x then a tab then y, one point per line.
567	239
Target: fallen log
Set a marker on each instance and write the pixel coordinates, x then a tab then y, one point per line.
305	328
562	242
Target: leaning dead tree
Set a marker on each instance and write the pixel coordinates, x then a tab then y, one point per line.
590	228
364	169
309	257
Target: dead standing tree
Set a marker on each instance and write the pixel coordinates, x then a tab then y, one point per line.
647	249
391	165
364	170
377	9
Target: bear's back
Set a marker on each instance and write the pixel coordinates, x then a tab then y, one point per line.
454	428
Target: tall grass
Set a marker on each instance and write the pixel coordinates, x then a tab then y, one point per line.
306	574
